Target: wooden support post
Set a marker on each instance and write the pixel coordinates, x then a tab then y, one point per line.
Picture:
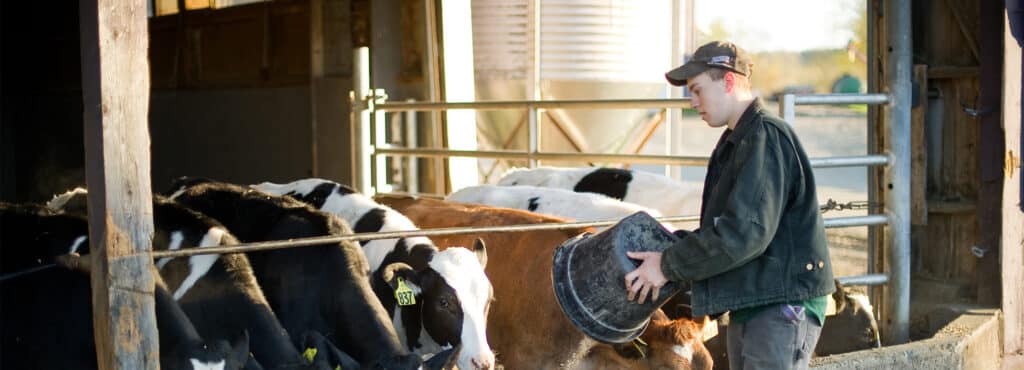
115	93
330	80
918	152
991	148
1012	237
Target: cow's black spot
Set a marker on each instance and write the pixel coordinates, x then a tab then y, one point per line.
344	190
371	221
612	182
317	196
533	204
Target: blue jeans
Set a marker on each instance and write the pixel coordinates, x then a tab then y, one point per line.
781	336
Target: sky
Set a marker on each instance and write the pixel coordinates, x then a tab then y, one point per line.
792	25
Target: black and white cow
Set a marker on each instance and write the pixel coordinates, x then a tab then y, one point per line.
552	202
452	291
219	293
323	287
47	313
668	196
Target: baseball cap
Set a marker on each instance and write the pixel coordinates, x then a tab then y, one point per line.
715	54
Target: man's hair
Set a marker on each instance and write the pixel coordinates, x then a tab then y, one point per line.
716	74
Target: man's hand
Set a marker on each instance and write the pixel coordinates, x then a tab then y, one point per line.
647	277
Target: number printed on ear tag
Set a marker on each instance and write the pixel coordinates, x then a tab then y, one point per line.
404	295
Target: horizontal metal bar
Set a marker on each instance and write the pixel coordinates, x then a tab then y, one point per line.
829	99
837	222
826	162
293	243
547	156
869	279
539	104
852	161
302	242
810	99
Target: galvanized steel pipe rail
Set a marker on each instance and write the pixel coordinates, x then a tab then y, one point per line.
835	222
535	104
825	162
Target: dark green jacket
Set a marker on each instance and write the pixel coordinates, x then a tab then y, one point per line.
761	238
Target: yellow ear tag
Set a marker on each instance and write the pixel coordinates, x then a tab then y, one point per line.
404	295
337	367
309	354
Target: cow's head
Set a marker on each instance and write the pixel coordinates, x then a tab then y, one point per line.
454	296
665	344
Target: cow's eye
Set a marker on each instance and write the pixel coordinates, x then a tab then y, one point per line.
443	302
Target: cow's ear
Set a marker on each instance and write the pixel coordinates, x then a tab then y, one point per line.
839	296
481	251
240	348
397	270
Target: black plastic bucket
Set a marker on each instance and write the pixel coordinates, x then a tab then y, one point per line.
589	278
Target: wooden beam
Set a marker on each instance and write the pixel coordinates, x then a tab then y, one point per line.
959	10
990	152
1011	249
951	72
115	94
918	152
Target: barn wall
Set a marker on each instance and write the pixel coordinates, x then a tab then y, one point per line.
41	145
1012	243
237	135
231	97
946	39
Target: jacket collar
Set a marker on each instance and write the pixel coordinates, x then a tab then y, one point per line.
743	125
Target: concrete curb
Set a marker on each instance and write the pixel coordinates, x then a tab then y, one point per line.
971	341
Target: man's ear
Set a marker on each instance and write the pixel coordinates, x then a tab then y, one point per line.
730	81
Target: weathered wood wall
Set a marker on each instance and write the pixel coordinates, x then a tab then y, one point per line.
946	246
954	227
1012	243
250	46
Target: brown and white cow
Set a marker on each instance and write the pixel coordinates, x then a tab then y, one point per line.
526	326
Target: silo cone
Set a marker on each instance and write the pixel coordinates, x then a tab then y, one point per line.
589	278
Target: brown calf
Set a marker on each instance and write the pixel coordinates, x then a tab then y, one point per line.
526	325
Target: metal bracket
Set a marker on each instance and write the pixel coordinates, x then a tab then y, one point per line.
976	112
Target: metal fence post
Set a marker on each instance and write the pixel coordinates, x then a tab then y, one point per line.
378	136
360	126
787	108
897	175
533	127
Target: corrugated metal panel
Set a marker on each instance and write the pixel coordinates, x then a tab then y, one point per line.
500	39
580	39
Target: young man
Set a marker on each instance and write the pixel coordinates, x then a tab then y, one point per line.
760	252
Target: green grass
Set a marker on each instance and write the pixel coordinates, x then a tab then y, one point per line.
861	108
